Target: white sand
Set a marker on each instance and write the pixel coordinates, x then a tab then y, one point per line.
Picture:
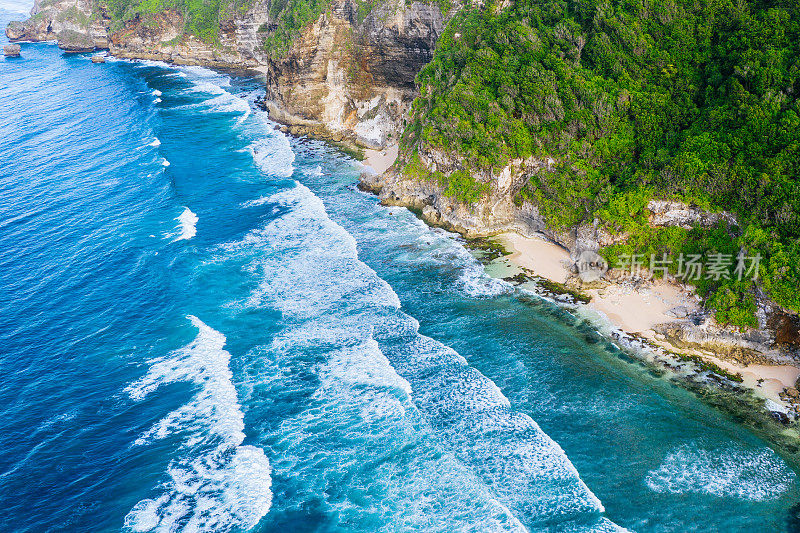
542	257
380	160
638	311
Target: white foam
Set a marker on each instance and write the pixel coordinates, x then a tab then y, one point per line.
216	483
228	103
733	472
157	101
379	371
222	101
164	162
363	364
188	224
314	172
477	283
155	142
273	154
156	92
208	87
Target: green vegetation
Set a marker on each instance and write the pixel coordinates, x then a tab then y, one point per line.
555	287
73	14
202	17
488	249
291	16
460	184
633	99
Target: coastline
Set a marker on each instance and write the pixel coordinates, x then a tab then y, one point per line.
622	314
636	311
648	319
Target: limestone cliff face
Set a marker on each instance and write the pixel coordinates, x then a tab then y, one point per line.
161	37
357	76
349	74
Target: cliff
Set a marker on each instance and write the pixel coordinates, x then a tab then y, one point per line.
348	73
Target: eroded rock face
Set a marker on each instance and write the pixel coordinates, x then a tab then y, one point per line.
348	74
493	213
670	213
356	76
11	50
72	41
51	18
161	37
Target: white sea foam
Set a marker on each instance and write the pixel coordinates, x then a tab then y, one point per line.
222	101
156	92
216	483
315	172
164	162
380	370
155	142
477	283
229	103
157	101
273	154
202	86
188	224
733	472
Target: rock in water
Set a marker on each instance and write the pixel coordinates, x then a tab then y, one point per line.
98	59
15	30
74	42
11	50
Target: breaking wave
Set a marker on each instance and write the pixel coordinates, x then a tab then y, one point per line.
188	224
376	374
217	483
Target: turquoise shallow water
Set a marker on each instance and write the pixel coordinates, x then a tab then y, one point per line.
205	326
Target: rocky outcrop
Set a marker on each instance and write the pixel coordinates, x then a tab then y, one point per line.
349	74
671	213
11	50
51	18
161	37
495	212
745	348
72	41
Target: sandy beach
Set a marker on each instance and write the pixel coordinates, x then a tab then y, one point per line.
636	311
380	160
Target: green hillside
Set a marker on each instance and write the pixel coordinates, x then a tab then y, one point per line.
693	100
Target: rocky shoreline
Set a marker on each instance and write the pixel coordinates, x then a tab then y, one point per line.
718	364
716	385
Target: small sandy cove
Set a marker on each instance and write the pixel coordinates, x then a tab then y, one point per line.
380	160
636	312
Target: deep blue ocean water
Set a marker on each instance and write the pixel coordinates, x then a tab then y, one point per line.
205	326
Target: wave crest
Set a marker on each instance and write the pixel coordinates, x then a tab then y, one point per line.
217	483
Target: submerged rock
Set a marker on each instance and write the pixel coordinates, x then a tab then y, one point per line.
74	42
98	59
11	50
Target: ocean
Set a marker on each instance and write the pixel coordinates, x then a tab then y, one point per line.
206	326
